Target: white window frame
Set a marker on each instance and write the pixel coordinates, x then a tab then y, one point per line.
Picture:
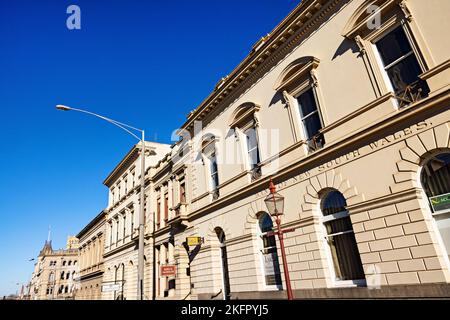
244	130
330	262
261	248
296	94
424	200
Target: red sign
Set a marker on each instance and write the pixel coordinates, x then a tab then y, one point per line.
168	270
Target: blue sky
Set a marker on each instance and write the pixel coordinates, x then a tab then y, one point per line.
146	63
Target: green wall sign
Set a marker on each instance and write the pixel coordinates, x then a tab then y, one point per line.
441	202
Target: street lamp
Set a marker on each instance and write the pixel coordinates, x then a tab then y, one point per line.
275	205
128	128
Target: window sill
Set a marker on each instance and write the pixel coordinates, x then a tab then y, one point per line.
349	283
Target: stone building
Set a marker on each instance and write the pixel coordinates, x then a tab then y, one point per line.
122	221
91	248
55	272
345	105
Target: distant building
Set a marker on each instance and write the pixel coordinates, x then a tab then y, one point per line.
122	221
91	247
55	272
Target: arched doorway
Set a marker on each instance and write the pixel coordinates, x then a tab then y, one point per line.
223	253
435	180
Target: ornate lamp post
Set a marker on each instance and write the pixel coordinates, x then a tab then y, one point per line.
275	205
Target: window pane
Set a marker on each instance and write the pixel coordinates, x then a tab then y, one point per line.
251	138
435	180
252	147
266	223
334	202
312	125
215	181
404	73
213	163
307	103
393	46
436	175
339	225
347	262
253	157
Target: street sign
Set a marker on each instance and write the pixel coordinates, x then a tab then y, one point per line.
168	270
194	241
111	287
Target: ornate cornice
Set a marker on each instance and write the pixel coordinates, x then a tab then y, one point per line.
282	40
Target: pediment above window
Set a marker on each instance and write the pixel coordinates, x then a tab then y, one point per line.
370	13
208	143
296	71
243	114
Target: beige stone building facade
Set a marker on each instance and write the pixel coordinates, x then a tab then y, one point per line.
55	273
90	253
122	221
345	106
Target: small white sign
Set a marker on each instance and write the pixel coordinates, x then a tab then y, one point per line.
111	287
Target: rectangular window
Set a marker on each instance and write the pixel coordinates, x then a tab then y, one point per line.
400	63
126	187
117	230
132	223
166	207
110	234
213	171
124	225
182	192
252	147
158	212
309	114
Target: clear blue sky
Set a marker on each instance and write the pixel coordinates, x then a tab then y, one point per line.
146	63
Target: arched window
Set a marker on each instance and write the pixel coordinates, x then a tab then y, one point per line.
392	47
70	262
64	263
268	249
341	239
224	257
62	275
299	85
435	179
245	125
210	160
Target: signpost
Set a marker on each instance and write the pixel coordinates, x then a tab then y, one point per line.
441	202
168	270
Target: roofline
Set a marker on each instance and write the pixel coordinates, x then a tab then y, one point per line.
132	153
98	218
259	47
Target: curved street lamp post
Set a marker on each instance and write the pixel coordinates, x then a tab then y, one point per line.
128	128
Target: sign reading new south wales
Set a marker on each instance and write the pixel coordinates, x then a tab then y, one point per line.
441	202
194	241
168	270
